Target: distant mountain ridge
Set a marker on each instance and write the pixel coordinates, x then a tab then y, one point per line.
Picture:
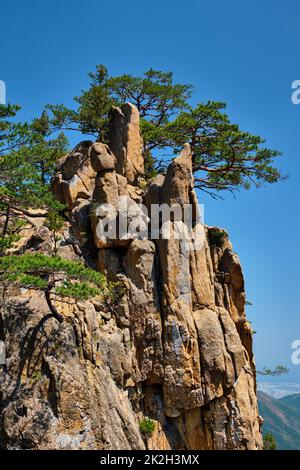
282	419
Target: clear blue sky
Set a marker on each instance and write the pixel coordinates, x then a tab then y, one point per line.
243	53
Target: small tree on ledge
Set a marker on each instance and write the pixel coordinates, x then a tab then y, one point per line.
279	370
269	442
57	278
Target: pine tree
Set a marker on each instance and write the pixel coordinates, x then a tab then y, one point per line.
57	278
279	370
224	157
28	156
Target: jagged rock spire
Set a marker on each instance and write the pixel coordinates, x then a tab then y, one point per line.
176	347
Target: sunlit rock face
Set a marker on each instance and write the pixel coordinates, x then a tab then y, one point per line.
175	347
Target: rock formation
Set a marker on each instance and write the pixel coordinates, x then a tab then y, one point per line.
176	347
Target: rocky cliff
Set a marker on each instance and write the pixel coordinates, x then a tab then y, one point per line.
176	346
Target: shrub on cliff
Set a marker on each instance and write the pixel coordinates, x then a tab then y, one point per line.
269	442
147	427
217	236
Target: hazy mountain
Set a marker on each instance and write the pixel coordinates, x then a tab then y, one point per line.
282	419
293	401
278	389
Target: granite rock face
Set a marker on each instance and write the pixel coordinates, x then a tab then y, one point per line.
176	348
